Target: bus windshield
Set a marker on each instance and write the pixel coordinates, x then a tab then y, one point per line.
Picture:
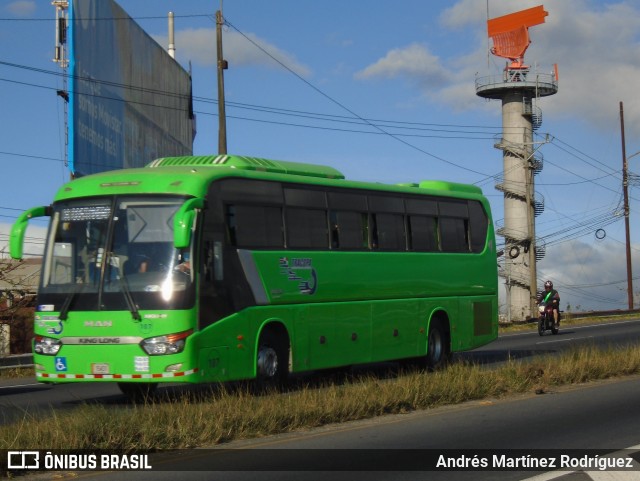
115	253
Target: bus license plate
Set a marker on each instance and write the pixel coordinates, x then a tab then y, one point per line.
100	368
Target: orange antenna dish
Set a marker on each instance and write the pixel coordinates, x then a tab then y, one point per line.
510	33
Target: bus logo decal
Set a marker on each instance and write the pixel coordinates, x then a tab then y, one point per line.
301	271
52	326
98	323
58	329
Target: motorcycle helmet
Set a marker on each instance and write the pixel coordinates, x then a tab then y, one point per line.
548	284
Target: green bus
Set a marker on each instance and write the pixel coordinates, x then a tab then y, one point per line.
217	268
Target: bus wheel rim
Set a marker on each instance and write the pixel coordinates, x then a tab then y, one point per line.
267	362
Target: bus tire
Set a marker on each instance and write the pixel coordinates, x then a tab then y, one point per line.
138	391
438	350
272	370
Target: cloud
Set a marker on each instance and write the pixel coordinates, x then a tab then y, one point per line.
596	45
199	46
466	12
34	239
591	275
414	62
21	8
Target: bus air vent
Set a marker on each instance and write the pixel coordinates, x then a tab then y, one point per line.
249	163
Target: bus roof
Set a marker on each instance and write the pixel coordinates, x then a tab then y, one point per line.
190	175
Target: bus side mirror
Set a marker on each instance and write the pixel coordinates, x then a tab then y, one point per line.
183	222
16	237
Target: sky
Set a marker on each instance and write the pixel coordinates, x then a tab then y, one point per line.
308	80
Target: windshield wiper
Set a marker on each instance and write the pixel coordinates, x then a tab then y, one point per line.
129	298
66	305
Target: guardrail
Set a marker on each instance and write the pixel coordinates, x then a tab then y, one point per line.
16	360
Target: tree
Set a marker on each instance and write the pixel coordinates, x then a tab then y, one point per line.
17	298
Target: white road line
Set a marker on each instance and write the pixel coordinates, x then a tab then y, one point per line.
565	340
24	385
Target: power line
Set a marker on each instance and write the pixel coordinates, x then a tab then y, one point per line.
609	170
378	124
31	156
342	106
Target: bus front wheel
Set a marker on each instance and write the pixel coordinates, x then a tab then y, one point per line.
272	360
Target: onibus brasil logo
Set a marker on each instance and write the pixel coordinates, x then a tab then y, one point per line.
36	460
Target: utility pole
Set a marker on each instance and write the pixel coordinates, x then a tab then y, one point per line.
531	229
222	66
625	190
172	45
61	58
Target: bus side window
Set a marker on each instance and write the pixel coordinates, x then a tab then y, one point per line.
231	224
453	233
306	228
454	225
255	226
349	230
423	233
478	226
388	232
213	269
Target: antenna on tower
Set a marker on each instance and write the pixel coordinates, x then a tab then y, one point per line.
510	33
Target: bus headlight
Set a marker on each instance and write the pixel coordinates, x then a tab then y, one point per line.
46	345
170	344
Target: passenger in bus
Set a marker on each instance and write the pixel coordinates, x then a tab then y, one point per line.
335	236
144	266
151	259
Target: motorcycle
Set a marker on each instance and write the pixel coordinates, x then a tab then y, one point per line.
546	321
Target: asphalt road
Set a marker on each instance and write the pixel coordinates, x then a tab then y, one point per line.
524	344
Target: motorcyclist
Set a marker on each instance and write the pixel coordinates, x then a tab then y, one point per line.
551	299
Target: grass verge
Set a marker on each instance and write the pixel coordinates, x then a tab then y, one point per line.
17	372
223	415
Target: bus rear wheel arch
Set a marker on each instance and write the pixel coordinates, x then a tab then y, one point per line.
272	356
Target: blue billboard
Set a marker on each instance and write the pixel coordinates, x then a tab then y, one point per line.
130	102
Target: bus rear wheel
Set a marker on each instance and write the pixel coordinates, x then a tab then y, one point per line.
438	352
272	361
138	391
